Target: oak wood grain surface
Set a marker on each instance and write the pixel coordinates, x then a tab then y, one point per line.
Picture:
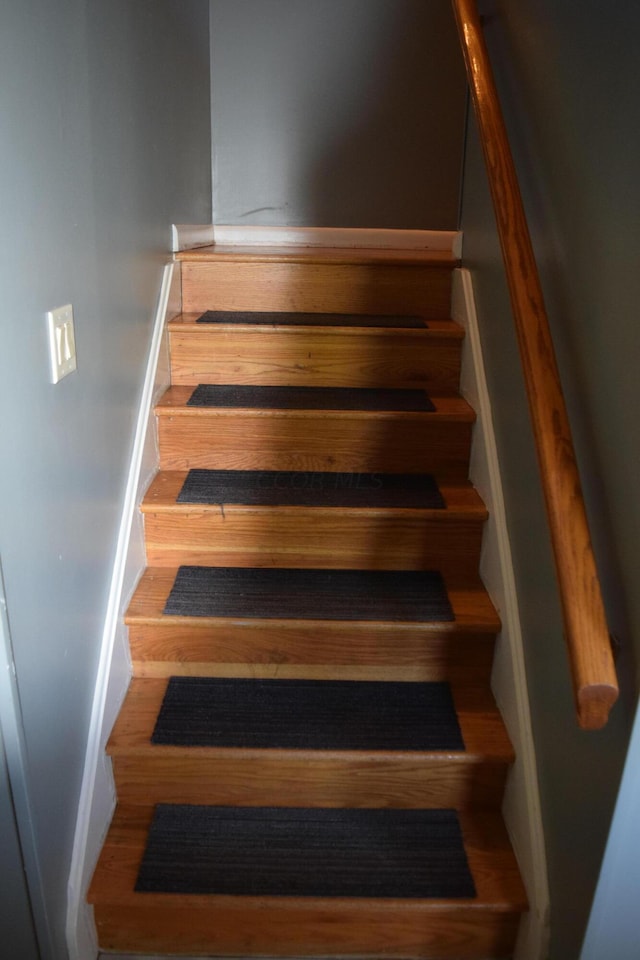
317	287
341	440
366	538
297	253
289	648
315	356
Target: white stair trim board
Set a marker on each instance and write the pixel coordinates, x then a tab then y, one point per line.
521	808
343	237
97	795
186	237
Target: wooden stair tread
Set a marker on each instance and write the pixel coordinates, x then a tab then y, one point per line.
450	408
186	323
461	502
482	729
310	255
471	605
491	861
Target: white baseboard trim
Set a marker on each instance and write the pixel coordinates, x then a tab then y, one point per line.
240	235
186	236
97	796
343	237
521	809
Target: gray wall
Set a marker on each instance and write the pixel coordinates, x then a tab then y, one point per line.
569	85
343	113
105	141
614	926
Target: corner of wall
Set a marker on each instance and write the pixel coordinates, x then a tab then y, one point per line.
186	236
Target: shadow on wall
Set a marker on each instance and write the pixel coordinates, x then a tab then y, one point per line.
344	113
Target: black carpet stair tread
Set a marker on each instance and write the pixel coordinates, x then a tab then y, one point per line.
309	488
308	715
473	610
305	852
449	408
482	730
251	592
489	854
309	398
276	319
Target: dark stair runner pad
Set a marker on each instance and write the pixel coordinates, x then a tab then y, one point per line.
294	593
309	398
302	852
308	489
308	715
276	319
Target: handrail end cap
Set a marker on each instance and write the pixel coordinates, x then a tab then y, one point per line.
594	704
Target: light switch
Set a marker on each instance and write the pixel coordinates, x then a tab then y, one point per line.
62	342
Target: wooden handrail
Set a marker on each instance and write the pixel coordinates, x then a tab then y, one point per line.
594	677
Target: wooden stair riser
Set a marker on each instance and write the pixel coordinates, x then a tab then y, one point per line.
308	652
310	649
318	288
332	443
274	929
172	776
207	353
308	538
149	773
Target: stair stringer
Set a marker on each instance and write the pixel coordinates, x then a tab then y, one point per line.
521	807
98	794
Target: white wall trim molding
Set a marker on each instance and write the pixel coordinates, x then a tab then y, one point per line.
521	808
186	236
344	237
97	796
243	235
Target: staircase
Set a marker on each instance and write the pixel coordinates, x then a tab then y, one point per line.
309	761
